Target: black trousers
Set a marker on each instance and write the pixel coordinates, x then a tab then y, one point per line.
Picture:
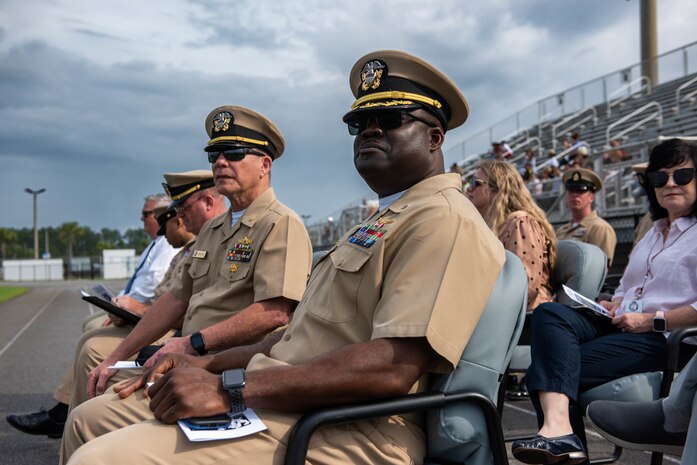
573	352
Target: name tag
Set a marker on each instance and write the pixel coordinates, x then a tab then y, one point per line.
632	306
200	254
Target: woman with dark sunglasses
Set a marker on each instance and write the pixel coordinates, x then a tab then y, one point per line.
573	352
499	193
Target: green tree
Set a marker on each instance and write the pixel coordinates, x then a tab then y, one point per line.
137	239
68	233
7	236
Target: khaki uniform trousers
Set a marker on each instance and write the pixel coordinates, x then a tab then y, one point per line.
93	348
97	433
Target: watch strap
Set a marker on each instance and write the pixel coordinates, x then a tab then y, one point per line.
660	325
198	343
237	404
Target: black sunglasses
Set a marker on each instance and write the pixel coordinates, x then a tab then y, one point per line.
235	154
386	119
680	177
474	183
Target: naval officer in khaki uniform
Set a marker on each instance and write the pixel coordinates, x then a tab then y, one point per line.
249	266
179	187
385	307
586	226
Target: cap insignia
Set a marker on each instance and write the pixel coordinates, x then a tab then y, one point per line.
576	176
221	121
371	74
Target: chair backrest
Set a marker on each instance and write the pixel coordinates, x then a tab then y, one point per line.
457	433
582	267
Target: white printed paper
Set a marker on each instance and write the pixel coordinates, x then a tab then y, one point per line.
125	365
585	301
242	424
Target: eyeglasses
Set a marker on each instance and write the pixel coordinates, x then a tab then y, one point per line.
385	119
188	203
680	177
236	154
474	183
146	213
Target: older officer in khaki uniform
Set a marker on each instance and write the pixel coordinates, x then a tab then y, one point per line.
103	342
396	298
249	266
586	226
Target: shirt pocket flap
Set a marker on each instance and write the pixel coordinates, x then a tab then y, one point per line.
350	259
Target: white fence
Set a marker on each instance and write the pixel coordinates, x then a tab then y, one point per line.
33	270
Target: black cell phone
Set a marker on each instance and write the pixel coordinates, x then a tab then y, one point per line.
214	422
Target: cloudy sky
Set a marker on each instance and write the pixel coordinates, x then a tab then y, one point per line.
98	99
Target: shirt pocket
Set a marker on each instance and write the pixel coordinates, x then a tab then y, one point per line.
345	275
199	269
234	271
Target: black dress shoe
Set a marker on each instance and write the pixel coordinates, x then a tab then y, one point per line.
541	450
635	426
39	423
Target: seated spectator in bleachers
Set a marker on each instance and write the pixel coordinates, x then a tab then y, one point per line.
573	351
581	159
506	150
529	165
498	192
500	151
586	226
667	425
615	155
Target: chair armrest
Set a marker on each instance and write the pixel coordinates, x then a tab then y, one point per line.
302	431
673	355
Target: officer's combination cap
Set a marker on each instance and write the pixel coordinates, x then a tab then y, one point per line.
230	127
180	186
395	79
582	179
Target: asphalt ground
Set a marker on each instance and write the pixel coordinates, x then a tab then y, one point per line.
37	339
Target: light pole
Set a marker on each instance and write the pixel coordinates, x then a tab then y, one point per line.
36	231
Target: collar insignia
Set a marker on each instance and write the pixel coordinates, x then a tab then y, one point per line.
371	74
222	121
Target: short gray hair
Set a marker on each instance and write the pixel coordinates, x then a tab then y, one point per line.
161	200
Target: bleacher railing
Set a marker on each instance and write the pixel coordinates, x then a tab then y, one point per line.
674	64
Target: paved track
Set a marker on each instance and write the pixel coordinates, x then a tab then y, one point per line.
37	338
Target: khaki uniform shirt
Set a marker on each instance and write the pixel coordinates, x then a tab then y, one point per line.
424	267
593	230
266	254
174	271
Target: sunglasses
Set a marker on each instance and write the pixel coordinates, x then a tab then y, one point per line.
474	183
680	177
385	119
188	203
146	213
236	154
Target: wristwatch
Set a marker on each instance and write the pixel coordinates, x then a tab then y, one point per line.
198	343
233	382
659	323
